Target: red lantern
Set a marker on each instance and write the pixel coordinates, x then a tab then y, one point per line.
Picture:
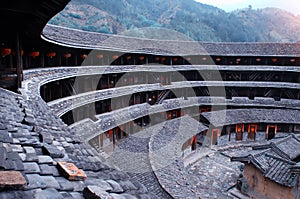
218	59
115	57
175	59
252	128
5	51
83	56
163	59
51	54
67	55
128	57
141	58
204	58
100	56
14	53
34	54
274	60
292	60
239	127
258	59
189	59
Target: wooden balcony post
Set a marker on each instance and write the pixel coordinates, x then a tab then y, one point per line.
19	61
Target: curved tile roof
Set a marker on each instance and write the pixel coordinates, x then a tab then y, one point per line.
91	40
36	77
63	105
234	116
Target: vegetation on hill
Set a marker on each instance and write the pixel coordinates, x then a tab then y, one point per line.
195	20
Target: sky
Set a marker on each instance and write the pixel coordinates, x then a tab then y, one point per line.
292	6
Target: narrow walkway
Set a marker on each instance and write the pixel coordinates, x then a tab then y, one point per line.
132	156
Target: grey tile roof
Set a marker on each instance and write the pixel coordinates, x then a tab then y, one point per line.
90	40
33	140
280	172
61	106
170	173
296	168
275	160
287	147
234	116
290	146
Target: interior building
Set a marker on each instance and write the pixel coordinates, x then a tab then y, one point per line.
83	98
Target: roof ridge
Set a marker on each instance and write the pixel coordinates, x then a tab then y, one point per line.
281	158
296	137
193	41
283	139
278	151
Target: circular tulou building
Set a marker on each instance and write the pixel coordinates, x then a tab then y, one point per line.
92	115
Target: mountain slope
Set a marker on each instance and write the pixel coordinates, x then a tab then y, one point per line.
195	20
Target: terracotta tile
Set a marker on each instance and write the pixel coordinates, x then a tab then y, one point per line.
70	171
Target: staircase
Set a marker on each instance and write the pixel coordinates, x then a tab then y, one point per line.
162	96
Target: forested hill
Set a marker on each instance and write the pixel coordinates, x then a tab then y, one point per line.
197	21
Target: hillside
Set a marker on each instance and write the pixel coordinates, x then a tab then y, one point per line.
195	20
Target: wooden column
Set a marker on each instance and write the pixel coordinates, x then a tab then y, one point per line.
42	61
19	61
75	59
